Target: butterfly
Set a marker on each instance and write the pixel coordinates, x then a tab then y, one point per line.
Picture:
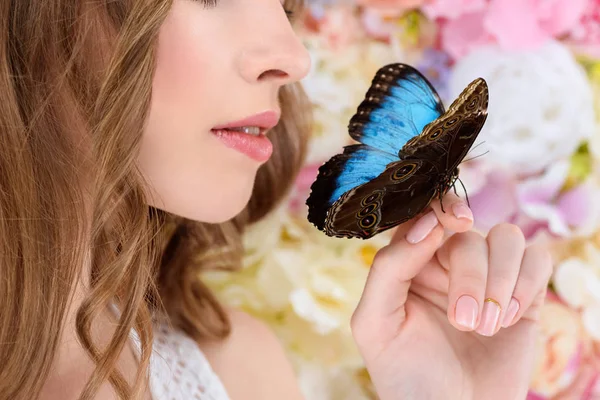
408	153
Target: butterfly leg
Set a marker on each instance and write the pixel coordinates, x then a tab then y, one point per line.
465	190
441	197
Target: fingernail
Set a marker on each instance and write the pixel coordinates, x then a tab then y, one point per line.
489	318
466	311
422	228
511	311
461	210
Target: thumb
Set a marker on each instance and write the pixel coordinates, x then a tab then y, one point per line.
393	268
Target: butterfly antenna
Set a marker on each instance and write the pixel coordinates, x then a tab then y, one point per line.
476	146
472	158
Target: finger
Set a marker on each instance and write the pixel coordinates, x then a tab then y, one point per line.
456	216
530	290
390	275
506	245
466	260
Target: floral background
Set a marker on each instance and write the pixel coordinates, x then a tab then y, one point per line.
536	164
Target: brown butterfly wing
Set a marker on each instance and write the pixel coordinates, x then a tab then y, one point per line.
398	194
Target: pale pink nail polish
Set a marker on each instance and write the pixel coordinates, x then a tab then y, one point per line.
489	318
466	311
422	228
511	312
461	211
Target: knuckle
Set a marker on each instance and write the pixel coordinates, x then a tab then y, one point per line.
507	231
470	280
358	329
502	282
526	284
465	241
542	259
450	198
470	236
467	246
382	257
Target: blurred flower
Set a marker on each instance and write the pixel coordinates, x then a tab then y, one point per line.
412	29
451	9
593	68
540	107
586	34
537	203
326	383
494	202
513	24
337	27
377	25
305	283
558	350
565	213
301	189
577	282
434	64
391	7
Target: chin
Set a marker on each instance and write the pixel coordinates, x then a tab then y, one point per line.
220	214
222	206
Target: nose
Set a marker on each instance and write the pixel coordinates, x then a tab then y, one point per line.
274	53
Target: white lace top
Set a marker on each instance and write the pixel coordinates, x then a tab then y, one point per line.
178	368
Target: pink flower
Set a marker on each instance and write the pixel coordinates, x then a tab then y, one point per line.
561	348
512	24
534	396
301	189
383	24
563	213
452	9
586	34
586	372
496	201
338	26
391	7
536	203
464	34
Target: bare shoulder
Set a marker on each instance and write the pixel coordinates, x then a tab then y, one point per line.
251	362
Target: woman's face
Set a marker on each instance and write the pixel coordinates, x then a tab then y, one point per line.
219	68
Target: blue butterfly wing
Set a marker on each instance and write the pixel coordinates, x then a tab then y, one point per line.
358	164
396	108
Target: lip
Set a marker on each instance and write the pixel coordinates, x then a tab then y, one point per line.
264	120
258	148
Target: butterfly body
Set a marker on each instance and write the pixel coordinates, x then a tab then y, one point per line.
408	154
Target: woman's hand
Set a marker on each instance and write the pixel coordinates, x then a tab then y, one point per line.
454	319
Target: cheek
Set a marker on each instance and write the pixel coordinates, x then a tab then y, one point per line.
189	171
181	75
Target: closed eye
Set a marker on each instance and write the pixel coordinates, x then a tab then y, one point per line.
209	3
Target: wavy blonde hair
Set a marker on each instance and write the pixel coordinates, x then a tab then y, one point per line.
72	66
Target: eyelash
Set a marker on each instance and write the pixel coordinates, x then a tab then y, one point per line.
210	3
290	14
213	3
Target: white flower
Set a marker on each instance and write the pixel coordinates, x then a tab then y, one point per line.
305	284
320	382
540	106
577	282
